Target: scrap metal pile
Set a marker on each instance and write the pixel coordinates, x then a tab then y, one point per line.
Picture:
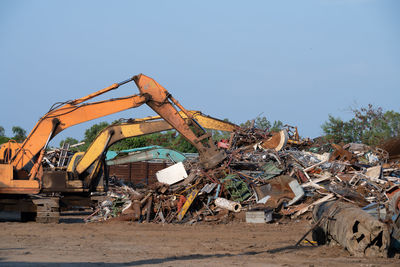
269	177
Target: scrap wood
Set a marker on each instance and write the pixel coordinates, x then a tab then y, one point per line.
303	210
148	208
315	165
145	198
314	182
292	209
91	215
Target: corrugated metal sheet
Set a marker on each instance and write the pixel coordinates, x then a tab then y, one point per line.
137	172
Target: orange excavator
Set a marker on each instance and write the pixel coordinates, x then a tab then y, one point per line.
21	170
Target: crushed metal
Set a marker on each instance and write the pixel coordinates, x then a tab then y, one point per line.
264	179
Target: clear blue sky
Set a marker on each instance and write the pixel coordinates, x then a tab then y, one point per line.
294	61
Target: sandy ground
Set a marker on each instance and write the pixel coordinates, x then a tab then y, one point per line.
132	244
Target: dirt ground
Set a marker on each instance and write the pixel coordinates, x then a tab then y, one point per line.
75	243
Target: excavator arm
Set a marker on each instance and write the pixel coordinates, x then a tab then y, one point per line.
59	118
164	104
138	127
21	173
77	111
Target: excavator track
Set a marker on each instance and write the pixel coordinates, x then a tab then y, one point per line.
47	209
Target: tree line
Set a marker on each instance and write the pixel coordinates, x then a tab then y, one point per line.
19	134
369	125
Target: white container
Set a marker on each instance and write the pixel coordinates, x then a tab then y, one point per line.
172	174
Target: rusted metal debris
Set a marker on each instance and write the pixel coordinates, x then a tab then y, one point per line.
283	183
356	230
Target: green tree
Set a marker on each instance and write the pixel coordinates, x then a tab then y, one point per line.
276	126
336	130
129	143
218	135
392	120
259	122
182	145
19	134
264	124
168	139
160	139
71	141
369	125
3	139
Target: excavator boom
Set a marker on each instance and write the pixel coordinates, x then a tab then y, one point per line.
67	115
138	127
164	104
22	173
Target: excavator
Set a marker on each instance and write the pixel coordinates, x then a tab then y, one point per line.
21	171
88	167
24	180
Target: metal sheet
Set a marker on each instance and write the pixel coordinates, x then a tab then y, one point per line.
189	200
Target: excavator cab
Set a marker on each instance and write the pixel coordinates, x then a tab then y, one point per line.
8	150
